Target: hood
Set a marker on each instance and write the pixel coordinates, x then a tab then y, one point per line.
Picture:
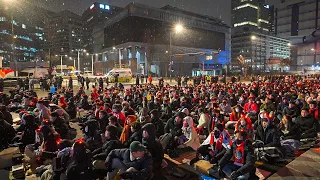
151	129
189	120
132	119
155	114
185	111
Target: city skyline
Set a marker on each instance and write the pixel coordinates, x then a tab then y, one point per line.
206	7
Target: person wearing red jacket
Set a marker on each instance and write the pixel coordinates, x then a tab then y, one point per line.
251	107
235	115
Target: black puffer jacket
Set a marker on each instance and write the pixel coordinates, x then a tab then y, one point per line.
270	136
154	147
143	165
308	126
157	123
293	131
109	145
173	128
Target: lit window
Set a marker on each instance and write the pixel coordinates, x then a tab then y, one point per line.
24	26
101	6
107	7
3	19
246	5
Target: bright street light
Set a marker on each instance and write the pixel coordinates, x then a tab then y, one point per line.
289	44
312	49
114	48
84	50
88	54
253	37
178	28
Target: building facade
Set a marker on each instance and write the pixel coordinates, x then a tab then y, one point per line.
255	48
252	16
95	14
145	39
293	20
21	35
64	32
260	52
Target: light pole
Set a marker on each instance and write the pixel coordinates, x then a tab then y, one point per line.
78	51
91	62
61	59
178	28
253	38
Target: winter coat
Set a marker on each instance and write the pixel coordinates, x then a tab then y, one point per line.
7	133
61	127
248	158
154	147
143	165
125	135
270	136
173	128
107	147
308	126
203	120
292	131
293	113
191	134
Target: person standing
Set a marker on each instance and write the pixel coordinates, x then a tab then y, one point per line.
70	85
87	82
137	80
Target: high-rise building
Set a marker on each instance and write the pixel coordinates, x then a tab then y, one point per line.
253	42
253	15
295	19
95	14
164	41
64	32
21	34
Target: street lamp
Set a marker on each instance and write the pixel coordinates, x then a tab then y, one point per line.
91	62
78	51
178	28
61	59
253	37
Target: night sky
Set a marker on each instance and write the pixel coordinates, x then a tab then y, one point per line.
213	8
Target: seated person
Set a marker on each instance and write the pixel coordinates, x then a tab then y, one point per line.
267	135
204	119
217	118
7	133
289	135
154	147
92	135
242	160
27	130
190	137
59	125
136	133
307	124
126	133
113	121
215	146
244	124
173	130
111	142
135	162
79	165
235	115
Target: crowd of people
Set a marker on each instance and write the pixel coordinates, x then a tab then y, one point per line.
127	131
